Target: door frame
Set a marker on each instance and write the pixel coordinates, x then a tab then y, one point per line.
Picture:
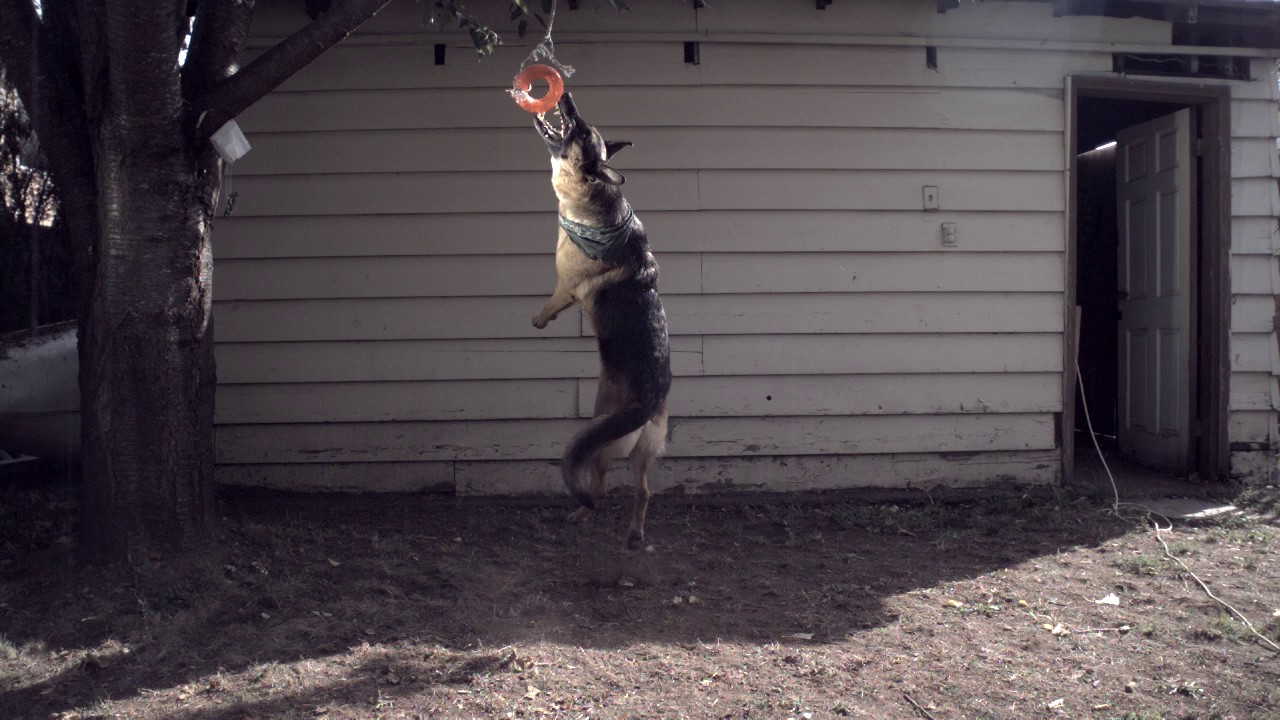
1211	314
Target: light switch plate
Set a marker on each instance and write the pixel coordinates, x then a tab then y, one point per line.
930	197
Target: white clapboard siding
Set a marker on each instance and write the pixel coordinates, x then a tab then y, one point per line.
697	397
1255	273
1254	391
879	190
388	319
1253	314
885	394
1255	352
696	231
1254	119
747	64
849	354
468	150
366	67
913	472
882	272
388	401
1255	197
1256	427
320	362
690	437
400	477
371	67
502	317
1255	157
392	360
1255	236
460	192
865	313
530	191
920	18
454	276
611	108
394	234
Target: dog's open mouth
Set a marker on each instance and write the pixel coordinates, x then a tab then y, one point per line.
553	125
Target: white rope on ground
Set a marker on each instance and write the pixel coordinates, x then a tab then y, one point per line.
1150	515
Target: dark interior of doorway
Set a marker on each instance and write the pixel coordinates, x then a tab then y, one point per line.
1097	248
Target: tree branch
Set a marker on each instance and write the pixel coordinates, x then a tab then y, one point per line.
228	98
217	39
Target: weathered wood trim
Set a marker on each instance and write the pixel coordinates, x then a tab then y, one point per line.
399	477
690	437
1052	46
1253	429
909	472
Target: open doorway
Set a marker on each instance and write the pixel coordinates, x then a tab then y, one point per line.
1147	271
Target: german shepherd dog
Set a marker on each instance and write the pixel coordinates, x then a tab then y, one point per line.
603	262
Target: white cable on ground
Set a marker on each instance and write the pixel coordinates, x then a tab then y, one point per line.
1151	515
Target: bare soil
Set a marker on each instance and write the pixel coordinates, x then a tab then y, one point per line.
339	606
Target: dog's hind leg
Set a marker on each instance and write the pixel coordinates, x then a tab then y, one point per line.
640	465
649	447
599	468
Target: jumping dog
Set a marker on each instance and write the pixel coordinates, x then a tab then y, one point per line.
603	262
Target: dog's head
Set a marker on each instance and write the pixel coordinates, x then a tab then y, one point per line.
579	153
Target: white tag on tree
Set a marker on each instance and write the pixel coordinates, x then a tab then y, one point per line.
230	142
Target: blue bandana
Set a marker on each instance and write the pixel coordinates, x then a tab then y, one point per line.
601	243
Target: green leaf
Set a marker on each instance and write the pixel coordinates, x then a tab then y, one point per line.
522	28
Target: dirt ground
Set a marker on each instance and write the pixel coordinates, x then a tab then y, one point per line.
336	606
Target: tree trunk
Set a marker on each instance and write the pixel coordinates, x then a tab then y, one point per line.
146	347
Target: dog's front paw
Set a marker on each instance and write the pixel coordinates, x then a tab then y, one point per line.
580	515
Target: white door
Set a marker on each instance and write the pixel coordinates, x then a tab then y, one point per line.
1154	176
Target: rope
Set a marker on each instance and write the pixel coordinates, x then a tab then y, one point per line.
546	50
1150	516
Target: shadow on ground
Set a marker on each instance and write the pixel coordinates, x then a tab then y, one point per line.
458	582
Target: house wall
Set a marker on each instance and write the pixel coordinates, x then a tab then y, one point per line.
1255	280
394	228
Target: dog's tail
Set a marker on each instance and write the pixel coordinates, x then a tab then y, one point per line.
597	435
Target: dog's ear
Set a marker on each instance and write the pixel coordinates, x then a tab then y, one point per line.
608	175
612	148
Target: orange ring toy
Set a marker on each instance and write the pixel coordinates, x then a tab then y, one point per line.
523	83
